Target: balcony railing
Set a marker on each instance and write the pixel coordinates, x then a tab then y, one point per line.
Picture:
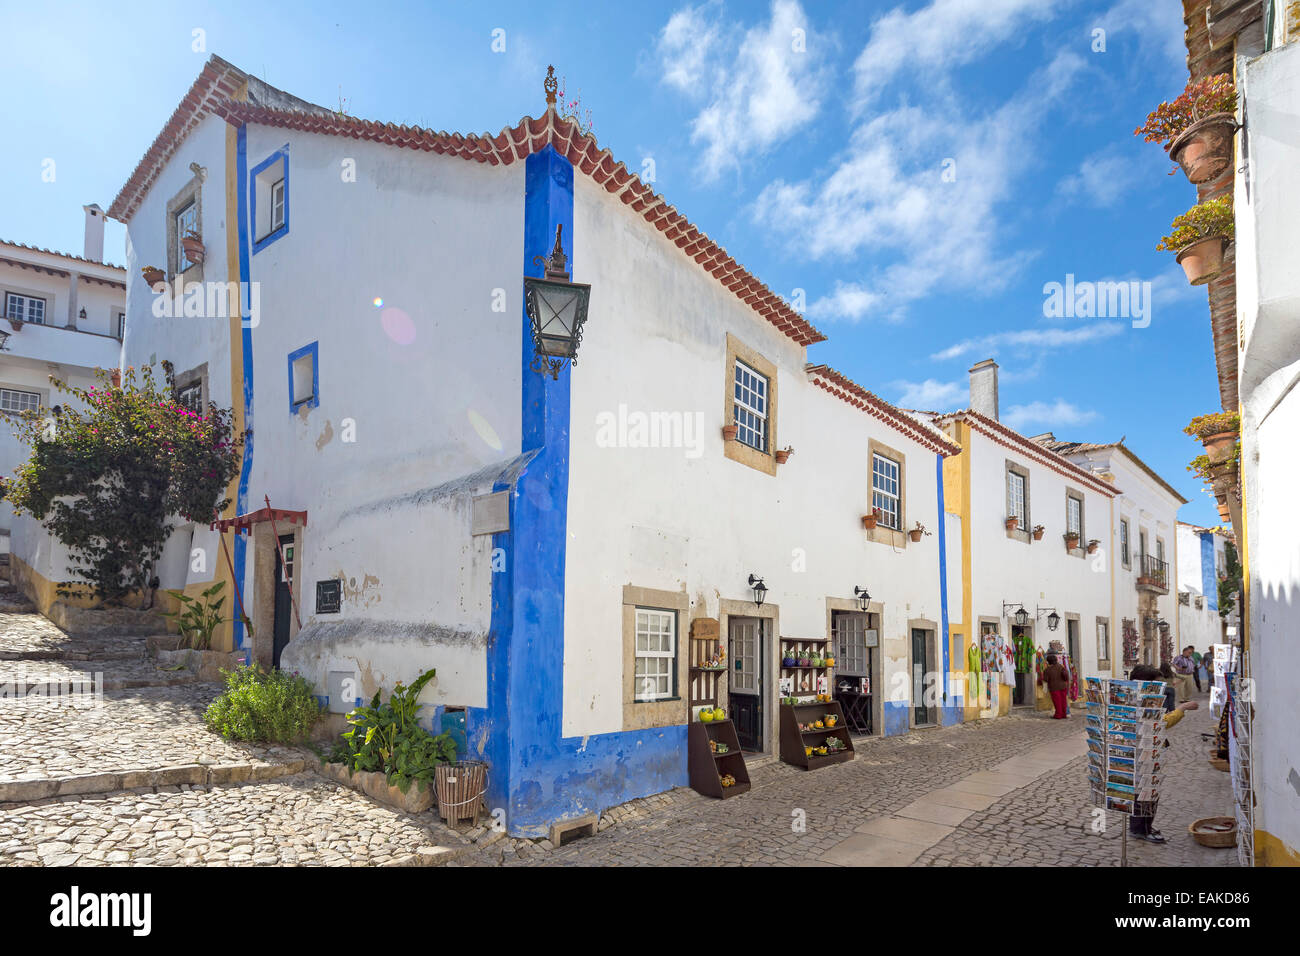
1152	572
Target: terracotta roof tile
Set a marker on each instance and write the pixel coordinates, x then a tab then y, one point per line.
847	390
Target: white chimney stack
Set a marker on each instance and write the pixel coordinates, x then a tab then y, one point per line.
984	389
94	233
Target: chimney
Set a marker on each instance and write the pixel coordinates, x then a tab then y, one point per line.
984	389
94	233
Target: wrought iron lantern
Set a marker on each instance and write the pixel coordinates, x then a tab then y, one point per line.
4	338
864	599
557	309
760	589
1053	621
1022	616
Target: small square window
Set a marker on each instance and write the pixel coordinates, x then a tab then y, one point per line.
25	308
655	672
750	407
191	397
14	400
304	378
270	189
187	222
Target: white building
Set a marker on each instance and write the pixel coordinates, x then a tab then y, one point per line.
1267	205
1002	475
1141	557
64	316
561	550
1201	562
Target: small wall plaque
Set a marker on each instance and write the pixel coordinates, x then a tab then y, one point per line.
329	596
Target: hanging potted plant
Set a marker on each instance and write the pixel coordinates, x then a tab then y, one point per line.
1071	540
153	276
1093	544
869	520
193	245
1196	129
1199	237
1012	523
1038	532
1217	432
784	454
915	533
729	432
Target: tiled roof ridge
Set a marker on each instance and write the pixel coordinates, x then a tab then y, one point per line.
211	93
847	390
1009	437
1081	446
62	255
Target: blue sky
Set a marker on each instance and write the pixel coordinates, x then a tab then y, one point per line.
920	169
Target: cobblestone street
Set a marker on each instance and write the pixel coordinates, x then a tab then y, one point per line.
139	780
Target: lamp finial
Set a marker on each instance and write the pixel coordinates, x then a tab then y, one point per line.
550	85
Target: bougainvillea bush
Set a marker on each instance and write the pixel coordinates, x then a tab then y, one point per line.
112	471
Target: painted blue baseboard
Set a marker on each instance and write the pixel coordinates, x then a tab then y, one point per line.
953	713
897	717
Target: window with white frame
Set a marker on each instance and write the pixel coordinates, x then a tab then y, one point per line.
277	204
1074	515
1103	640
187	221
191	397
656	654
24	308
1123	542
885	494
1016	498
15	400
121	325
851	658
750	407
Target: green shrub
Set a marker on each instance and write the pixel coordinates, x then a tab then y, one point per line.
274	707
386	737
1207	220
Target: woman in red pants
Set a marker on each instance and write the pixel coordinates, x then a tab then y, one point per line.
1057	679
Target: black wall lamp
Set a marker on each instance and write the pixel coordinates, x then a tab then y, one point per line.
760	589
1053	619
864	599
82	314
557	309
1021	617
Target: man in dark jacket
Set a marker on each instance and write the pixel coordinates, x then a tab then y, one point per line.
1057	679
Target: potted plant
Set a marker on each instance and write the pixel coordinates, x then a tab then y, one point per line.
1012	523
869	520
1196	129
153	276
783	455
788	661
1038	532
1071	540
915	533
804	659
1199	236
1217	432
729	432
1093	544
193	245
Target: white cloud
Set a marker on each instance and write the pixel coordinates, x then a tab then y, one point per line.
931	395
936	38
1102	178
888	193
758	92
1158	25
1057	414
1035	339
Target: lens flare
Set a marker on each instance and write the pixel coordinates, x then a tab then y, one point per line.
485	430
397	326
378	302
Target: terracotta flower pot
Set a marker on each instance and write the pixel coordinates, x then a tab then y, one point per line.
1202	261
729	432
1092	546
782	457
1219	447
1038	534
914	534
1071	542
868	521
194	250
153	277
1204	149
1012	523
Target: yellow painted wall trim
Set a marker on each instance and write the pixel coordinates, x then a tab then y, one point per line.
1270	851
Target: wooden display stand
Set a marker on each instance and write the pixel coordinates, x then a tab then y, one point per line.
803	647
707	768
794	742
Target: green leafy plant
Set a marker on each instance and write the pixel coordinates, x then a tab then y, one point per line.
199	617
110	473
387	737
1206	220
1199	99
1216	423
1208	470
274	706
1230	582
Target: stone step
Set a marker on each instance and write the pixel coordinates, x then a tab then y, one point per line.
42	788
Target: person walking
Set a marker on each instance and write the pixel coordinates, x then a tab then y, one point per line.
1196	669
1183	667
1057	679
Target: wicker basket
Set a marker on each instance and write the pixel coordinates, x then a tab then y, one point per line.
1217	838
460	788
1218	763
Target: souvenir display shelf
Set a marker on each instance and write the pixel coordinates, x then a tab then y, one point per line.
803	677
1240	745
795	743
1124	734
707	768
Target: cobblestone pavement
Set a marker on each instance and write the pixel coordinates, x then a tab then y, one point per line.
140	780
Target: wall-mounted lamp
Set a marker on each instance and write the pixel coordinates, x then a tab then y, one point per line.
760	589
4	337
864	599
1053	619
557	309
1021	617
82	314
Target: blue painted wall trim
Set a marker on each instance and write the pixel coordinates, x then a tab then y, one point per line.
897	715
1209	573
313	350
281	153
951	712
246	343
537	775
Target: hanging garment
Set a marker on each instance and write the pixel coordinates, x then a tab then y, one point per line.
1008	661
975	667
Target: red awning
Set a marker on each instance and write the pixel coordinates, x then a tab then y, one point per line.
244	523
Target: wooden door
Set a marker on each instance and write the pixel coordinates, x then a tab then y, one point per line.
922	664
746	691
283	597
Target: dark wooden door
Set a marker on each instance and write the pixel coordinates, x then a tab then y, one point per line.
746	690
283	597
921	666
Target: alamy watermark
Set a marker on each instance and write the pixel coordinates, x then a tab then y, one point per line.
210	300
637	429
1098	300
